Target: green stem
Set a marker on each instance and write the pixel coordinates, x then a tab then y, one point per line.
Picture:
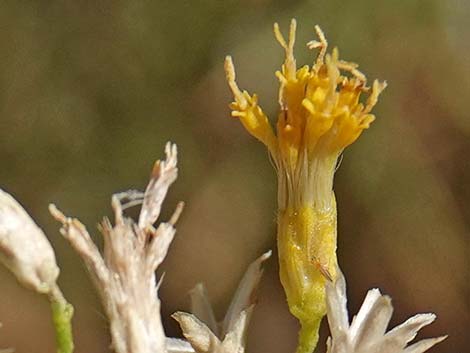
62	313
308	337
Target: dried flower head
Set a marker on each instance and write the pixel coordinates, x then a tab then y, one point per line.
24	248
321	113
367	331
201	329
125	276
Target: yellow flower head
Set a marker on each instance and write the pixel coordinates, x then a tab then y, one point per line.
321	113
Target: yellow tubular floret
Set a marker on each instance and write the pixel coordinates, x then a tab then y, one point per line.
320	114
250	113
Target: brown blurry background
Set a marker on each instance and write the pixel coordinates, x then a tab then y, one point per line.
90	91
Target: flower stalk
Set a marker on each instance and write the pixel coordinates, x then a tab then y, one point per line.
321	113
62	313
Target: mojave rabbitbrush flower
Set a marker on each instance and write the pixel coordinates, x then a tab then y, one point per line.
321	113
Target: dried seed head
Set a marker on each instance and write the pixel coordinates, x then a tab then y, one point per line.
367	331
24	248
125	273
230	335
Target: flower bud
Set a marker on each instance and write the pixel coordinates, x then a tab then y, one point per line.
24	248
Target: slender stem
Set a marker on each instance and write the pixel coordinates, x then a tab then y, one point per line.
308	336
62	313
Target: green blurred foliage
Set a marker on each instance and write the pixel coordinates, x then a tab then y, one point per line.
91	90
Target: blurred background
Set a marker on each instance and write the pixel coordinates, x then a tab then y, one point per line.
90	91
